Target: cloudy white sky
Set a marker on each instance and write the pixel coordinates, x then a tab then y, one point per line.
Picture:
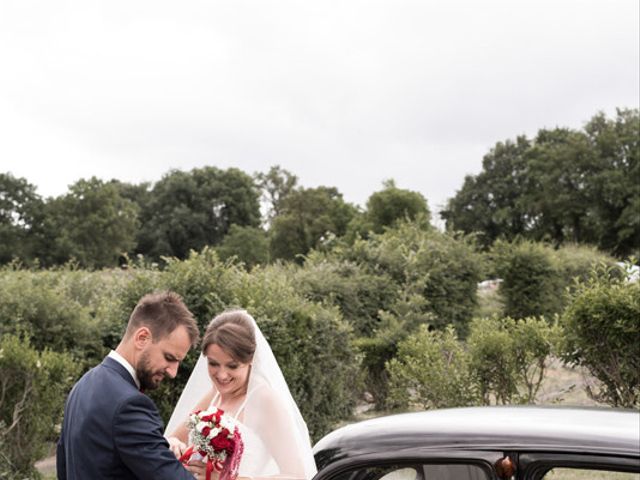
343	93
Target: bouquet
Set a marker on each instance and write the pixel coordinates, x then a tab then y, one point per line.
215	439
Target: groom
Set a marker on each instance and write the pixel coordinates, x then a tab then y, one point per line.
111	429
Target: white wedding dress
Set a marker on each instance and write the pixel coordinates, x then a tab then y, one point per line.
256	459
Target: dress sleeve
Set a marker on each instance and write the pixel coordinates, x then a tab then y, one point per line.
137	433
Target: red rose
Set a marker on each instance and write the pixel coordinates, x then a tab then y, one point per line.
222	441
206	418
205	431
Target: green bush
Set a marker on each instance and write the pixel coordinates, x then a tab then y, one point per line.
431	370
38	305
602	332
509	357
440	268
390	284
249	245
360	295
33	386
536	276
531	284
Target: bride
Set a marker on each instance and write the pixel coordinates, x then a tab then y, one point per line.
238	373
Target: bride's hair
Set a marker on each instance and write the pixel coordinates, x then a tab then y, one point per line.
233	332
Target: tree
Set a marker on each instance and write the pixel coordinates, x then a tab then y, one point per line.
492	202
276	185
561	163
392	204
189	210
615	185
308	217
92	224
249	245
20	207
564	186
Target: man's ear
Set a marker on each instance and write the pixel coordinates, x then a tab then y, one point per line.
142	337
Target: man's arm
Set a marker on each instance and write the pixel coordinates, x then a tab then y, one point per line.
137	434
61	460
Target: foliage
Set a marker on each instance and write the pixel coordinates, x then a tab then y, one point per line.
563	186
276	185
536	276
359	294
20	208
33	386
616	183
509	357
189	210
493	203
431	370
40	306
414	277
92	224
602	327
309	217
248	245
576	262
391	205
380	348
429	268
531	285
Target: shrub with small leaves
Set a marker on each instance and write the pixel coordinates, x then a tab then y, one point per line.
33	387
602	333
431	370
509	357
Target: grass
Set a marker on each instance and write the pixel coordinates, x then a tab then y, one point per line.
577	474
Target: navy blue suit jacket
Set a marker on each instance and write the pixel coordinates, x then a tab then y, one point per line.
112	431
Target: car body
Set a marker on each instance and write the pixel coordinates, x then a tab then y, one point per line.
480	443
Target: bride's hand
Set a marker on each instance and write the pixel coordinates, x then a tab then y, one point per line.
198	469
177	446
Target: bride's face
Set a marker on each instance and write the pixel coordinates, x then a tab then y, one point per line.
229	376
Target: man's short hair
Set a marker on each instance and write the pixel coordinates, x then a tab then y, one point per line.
162	313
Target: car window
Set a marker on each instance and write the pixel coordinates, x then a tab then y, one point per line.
440	471
401	474
587	474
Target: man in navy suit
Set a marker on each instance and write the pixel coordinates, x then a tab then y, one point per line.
111	430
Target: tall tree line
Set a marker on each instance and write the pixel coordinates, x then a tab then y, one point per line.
563	186
99	223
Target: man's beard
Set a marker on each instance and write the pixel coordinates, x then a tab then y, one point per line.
145	374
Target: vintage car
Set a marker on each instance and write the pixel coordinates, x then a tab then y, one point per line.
482	443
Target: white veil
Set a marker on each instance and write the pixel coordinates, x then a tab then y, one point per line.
292	428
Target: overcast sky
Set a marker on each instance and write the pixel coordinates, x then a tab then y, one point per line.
341	93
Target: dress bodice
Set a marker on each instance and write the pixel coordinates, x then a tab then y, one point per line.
256	459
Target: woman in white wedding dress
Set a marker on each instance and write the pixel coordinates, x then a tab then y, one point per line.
238	373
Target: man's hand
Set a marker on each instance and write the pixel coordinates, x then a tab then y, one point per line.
177	446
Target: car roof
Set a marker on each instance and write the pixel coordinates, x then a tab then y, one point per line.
593	430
